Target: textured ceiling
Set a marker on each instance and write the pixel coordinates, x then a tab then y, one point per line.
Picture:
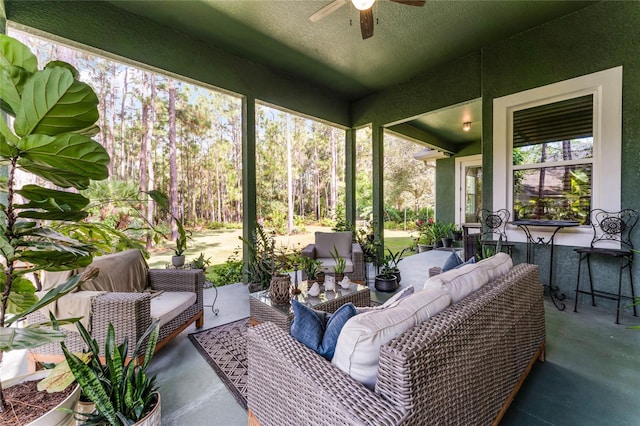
406	41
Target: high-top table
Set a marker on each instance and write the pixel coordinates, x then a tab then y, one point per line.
556	225
262	309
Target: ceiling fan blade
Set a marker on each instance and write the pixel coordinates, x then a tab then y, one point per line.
366	23
418	3
327	10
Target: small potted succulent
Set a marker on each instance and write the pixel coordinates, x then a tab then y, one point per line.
340	264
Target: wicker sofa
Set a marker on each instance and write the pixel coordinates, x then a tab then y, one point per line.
174	296
463	366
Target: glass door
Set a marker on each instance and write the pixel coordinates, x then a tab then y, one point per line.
469	188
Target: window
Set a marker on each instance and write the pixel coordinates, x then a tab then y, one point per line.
557	152
553	160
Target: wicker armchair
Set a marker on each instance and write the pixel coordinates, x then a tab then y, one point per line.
325	242
130	313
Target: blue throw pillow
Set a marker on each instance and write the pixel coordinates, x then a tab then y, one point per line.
336	321
470	261
317	330
452	261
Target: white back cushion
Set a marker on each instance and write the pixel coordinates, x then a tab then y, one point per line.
459	282
358	349
496	266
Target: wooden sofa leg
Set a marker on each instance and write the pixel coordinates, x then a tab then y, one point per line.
253	420
200	321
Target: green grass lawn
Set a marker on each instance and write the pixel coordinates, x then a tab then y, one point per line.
218	245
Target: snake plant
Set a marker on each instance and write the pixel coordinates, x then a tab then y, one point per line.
120	388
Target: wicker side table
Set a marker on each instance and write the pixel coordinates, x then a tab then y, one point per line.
262	309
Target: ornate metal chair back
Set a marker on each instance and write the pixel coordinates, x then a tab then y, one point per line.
494	223
613	226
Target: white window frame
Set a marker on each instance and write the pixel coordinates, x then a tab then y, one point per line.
461	163
606	87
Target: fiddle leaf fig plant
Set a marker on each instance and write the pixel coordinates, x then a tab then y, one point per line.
47	121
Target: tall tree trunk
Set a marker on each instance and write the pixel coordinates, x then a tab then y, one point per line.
150	151
144	141
540	206
333	184
173	168
289	176
112	125
123	161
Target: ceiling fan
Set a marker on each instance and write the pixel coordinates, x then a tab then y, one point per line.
366	12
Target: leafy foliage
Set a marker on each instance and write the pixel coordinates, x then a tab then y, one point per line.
121	390
50	137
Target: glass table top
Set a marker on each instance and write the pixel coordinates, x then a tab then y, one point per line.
304	298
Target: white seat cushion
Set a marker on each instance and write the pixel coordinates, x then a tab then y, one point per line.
358	349
328	264
169	304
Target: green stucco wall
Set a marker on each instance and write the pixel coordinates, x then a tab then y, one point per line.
599	37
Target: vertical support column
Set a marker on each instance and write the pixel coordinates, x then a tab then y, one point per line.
249	199
350	175
377	145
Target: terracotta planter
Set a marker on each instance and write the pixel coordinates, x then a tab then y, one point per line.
55	416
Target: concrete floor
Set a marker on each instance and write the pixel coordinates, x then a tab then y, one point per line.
591	375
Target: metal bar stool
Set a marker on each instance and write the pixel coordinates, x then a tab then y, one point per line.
494	225
611	238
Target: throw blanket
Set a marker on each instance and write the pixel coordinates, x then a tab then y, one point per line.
124	272
72	305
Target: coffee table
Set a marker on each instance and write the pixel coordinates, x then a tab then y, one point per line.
262	309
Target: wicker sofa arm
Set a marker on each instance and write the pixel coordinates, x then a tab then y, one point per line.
176	279
130	314
289	381
357	257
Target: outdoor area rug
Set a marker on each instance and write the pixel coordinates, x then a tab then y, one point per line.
225	349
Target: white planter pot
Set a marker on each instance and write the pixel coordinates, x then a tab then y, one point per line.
54	417
154	418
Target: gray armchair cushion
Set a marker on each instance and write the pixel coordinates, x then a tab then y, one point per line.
325	242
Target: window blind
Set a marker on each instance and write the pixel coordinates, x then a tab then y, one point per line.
559	121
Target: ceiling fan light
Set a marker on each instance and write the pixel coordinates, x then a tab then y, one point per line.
362	4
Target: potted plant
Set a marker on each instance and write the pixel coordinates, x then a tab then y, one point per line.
340	264
201	262
386	280
258	269
120	388
392	260
310	267
181	246
50	137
